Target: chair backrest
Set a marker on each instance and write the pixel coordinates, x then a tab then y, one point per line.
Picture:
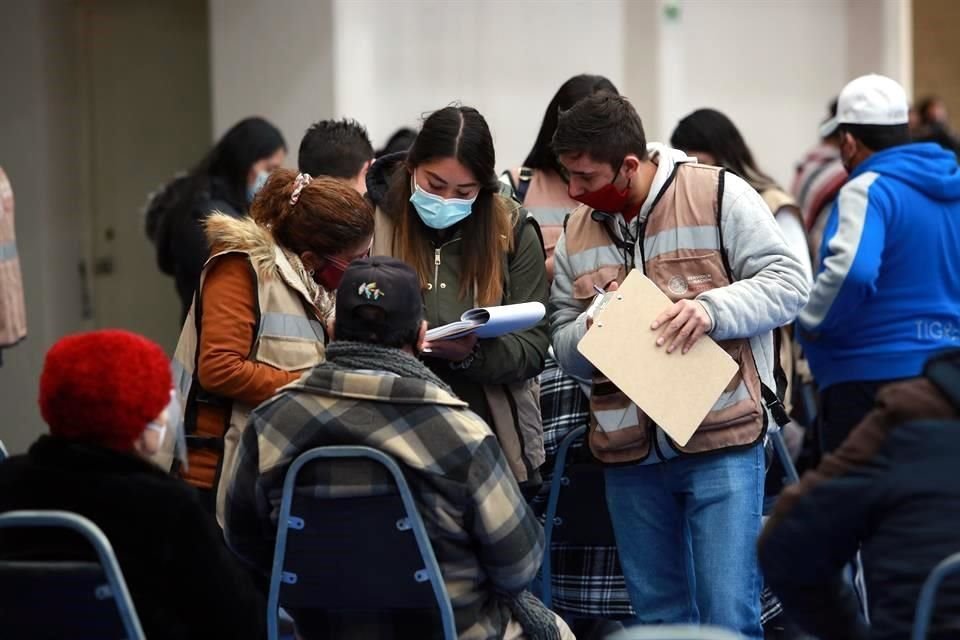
928	594
356	552
3	452
65	599
675	632
576	511
580	514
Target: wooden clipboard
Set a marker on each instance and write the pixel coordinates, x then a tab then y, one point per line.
676	390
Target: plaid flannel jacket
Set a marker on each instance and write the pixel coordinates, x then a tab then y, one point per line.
486	539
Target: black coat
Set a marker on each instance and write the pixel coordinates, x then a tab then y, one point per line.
181	240
891	490
184	581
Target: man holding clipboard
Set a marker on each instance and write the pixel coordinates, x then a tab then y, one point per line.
686	515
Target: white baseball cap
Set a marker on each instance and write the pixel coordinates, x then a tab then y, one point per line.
873	99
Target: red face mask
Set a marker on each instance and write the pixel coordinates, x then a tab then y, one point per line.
608	198
331	274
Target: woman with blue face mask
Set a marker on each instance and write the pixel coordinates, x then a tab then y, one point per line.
440	209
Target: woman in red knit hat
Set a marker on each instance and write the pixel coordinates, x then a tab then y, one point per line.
107	397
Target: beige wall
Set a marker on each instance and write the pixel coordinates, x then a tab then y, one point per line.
273	59
39	145
397	60
94	114
879	39
936	67
770	66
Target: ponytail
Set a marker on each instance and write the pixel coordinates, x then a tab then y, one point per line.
326	216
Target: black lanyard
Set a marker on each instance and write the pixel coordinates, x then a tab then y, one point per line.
625	244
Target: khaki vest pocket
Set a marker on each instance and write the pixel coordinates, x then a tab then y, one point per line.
289	354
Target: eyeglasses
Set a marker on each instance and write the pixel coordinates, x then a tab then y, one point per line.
344	263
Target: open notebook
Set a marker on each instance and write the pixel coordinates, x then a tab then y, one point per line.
490	322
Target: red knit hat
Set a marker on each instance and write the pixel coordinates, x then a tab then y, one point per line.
104	387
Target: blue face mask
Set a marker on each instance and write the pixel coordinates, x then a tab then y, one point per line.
437	212
258	182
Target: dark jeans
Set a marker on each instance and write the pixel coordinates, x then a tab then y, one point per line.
843	406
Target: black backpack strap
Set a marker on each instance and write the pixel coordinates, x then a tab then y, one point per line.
779	375
509	181
775	405
721	180
200	396
523	183
518	231
523	219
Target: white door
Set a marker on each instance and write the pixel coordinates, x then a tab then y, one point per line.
145	91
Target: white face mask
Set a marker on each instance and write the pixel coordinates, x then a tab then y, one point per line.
171	420
159	428
258	181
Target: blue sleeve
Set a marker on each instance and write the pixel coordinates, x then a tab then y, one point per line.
851	253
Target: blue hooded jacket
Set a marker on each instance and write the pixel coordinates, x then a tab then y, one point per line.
887	294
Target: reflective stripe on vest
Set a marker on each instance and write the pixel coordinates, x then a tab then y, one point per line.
182	378
697	238
286	325
681	246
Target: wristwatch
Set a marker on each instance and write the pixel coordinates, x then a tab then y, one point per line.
466	362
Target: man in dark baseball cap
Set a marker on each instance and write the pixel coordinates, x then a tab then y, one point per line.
379	302
373	391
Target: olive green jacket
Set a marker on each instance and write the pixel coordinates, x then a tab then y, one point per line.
501	383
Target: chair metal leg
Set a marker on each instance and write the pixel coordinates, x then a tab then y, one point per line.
783	454
549	521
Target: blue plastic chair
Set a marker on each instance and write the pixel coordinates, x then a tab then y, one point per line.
578	528
74	599
790	474
780	448
344	550
675	632
931	585
3	452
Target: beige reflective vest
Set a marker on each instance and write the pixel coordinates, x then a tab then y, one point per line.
680	250
288	335
13	312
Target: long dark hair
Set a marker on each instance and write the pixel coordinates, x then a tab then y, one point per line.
461	133
570	92
228	162
710	131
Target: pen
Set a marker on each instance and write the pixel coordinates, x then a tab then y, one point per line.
599	290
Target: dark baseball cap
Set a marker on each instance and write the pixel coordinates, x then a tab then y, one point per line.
379	301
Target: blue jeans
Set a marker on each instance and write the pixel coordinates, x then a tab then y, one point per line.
687	534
